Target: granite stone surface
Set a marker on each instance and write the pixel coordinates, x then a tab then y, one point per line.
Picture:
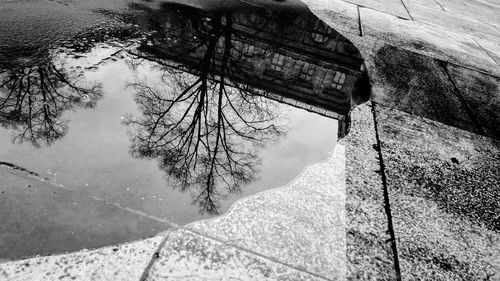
123	262
427	40
301	224
485	11
460	23
393	7
342	16
481	92
443	185
418	85
369	254
189	256
492	48
433	4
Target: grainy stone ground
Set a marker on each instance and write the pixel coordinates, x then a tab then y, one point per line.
417	174
444	189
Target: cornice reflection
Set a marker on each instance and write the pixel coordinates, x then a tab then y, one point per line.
289	53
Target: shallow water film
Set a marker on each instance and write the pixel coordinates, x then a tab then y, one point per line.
119	118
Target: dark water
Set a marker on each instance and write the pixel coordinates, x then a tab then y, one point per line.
138	114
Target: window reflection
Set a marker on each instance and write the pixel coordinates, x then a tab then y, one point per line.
221	68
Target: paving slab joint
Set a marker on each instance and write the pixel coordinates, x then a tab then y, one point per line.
255	253
460	96
387	204
487	52
406	8
154	257
379	11
440	6
359	22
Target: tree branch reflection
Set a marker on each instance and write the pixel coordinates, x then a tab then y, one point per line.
34	97
204	126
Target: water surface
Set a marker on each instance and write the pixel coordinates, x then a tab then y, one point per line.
139	115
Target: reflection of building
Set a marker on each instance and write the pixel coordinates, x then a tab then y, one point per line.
298	60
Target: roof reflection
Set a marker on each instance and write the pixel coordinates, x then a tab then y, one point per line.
290	54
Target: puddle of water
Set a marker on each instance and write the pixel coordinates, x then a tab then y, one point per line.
197	108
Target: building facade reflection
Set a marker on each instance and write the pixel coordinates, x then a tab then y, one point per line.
291	56
221	69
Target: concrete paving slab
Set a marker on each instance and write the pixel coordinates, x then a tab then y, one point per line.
493	3
463	24
301	224
427	40
122	262
486	11
443	187
481	92
493	49
189	256
433	4
393	7
369	254
340	15
418	85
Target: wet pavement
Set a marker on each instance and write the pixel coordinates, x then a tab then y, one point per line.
157	114
416	199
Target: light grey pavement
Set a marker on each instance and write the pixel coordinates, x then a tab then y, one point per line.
123	262
410	191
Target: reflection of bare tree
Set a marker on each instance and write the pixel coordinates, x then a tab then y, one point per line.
34	98
204	127
217	64
205	135
35	90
